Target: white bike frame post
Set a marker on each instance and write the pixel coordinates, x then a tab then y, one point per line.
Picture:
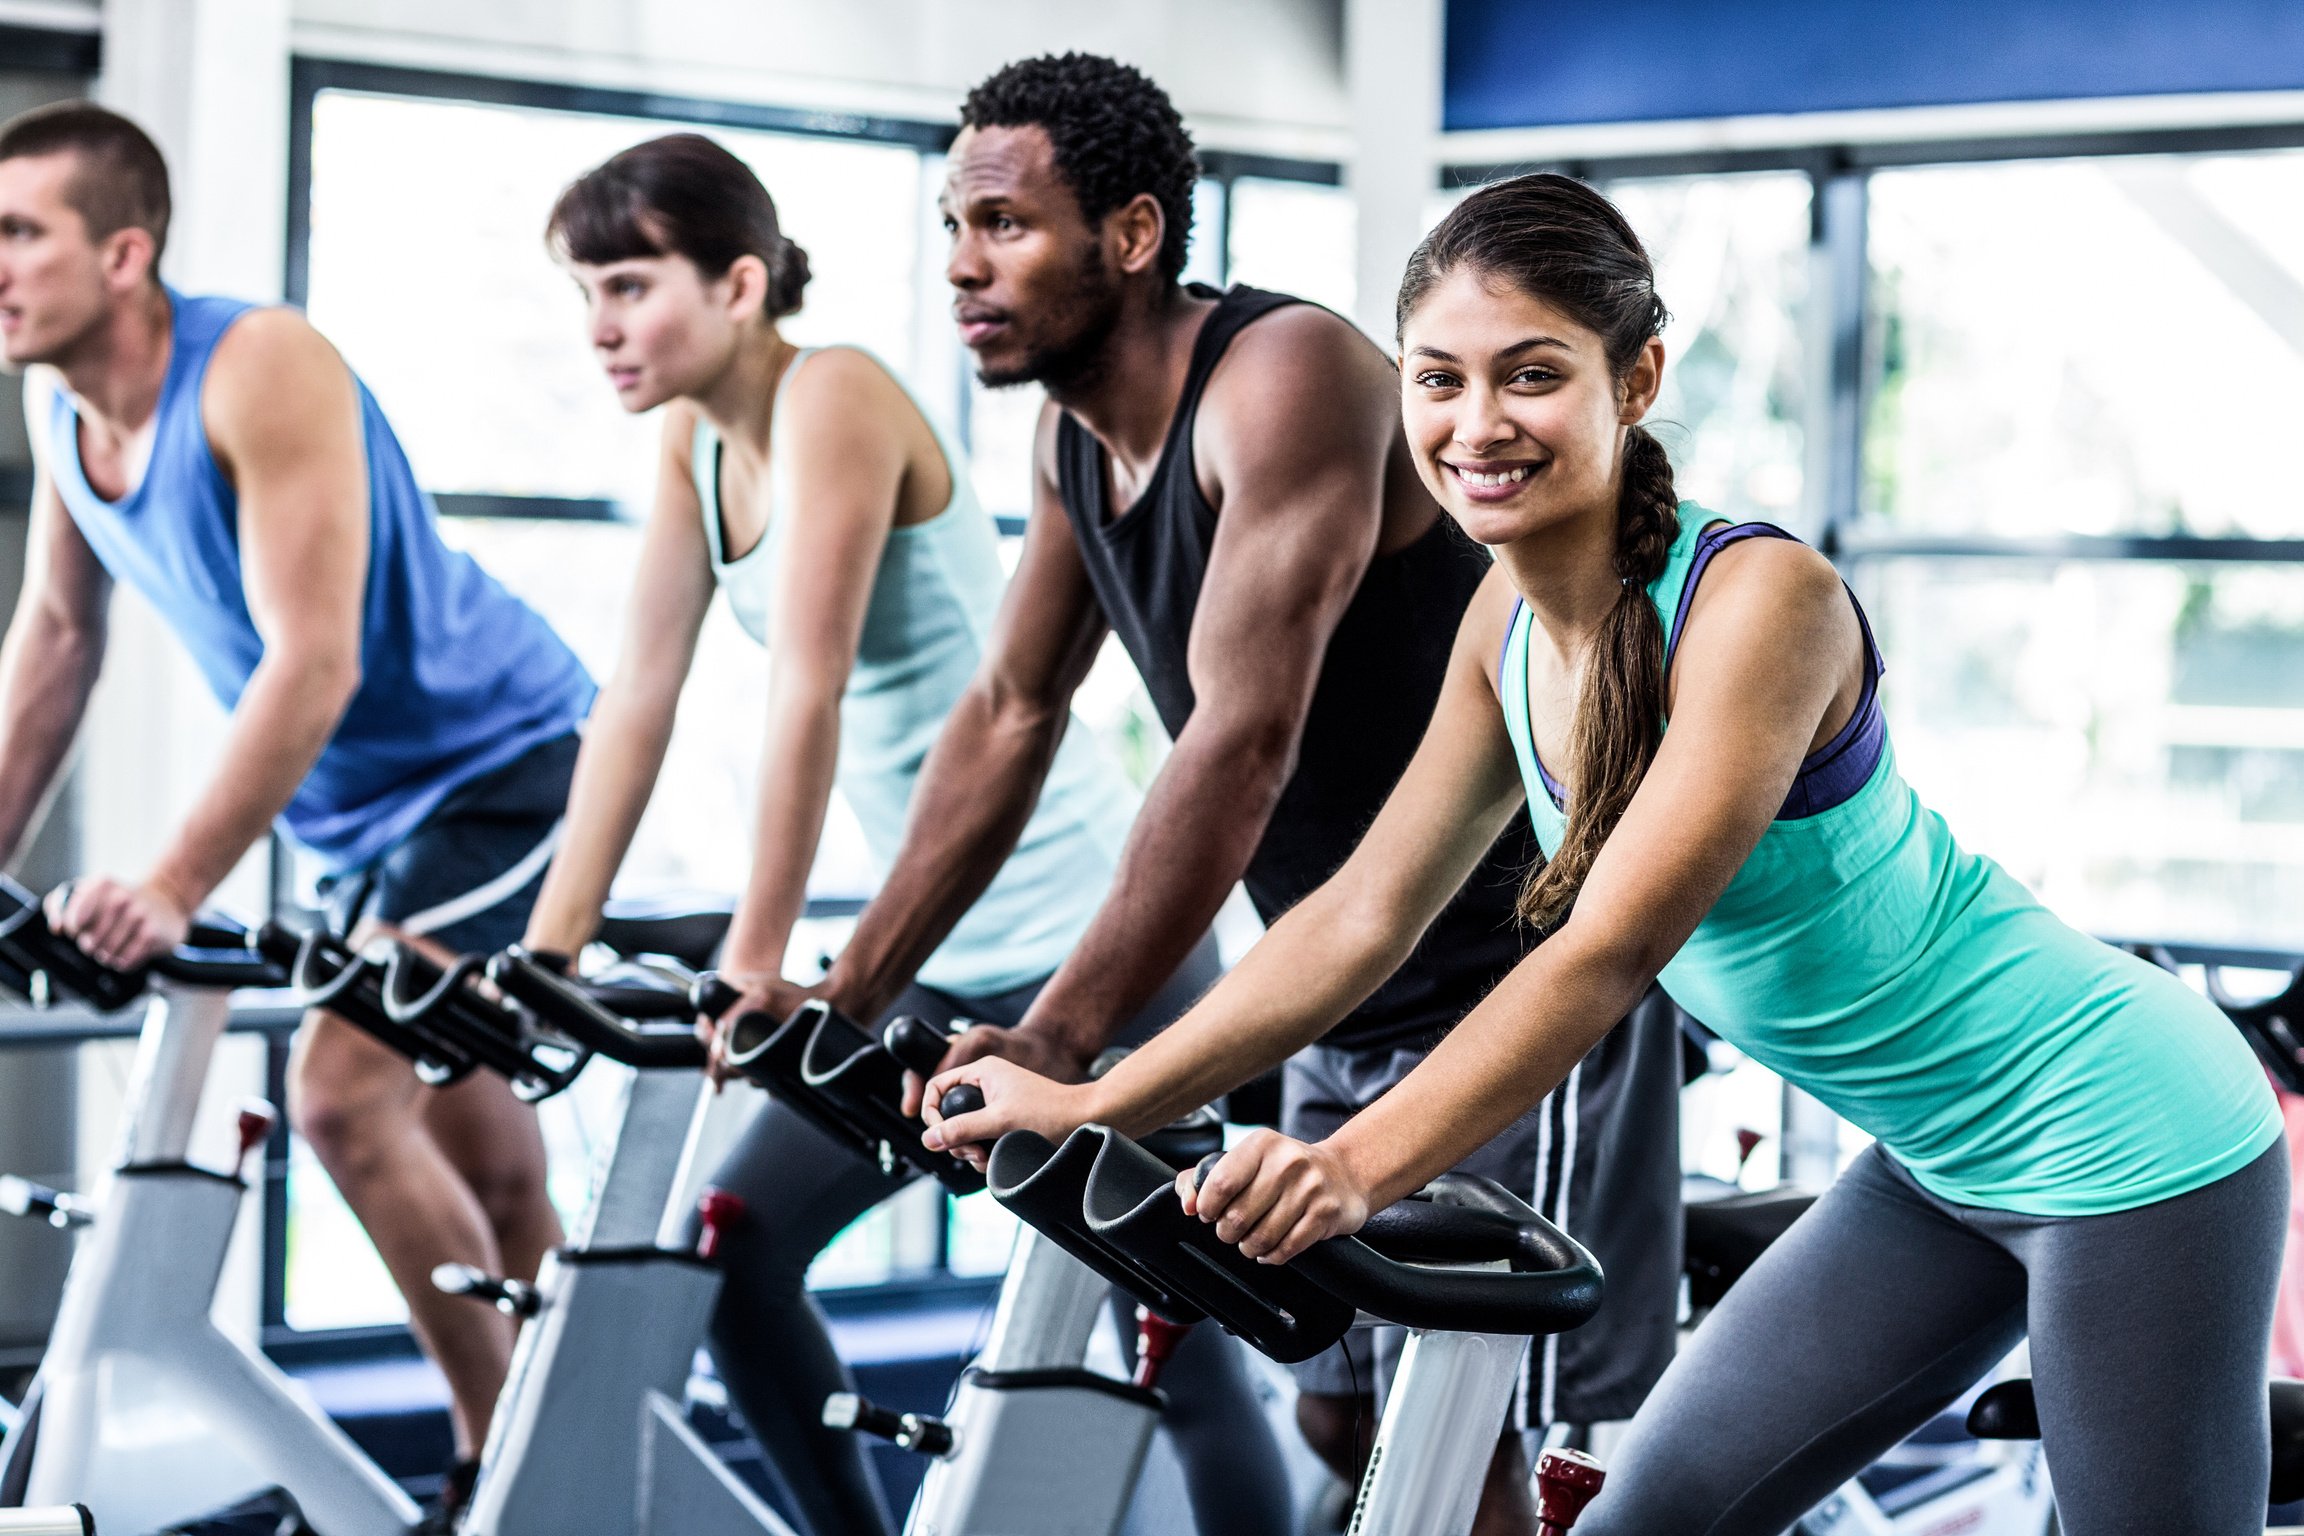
149	1413
589	1434
1438	1433
1040	1447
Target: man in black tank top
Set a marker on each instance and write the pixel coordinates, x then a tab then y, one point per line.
1222	481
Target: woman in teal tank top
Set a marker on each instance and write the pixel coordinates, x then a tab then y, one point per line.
2070	1142
811	490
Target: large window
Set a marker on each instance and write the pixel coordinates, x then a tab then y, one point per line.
424	262
2097	348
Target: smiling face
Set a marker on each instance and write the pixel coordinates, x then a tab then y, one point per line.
1516	419
1035	292
56	283
660	328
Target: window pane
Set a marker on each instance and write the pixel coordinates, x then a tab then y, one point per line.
2094	347
1295	237
1731	258
429	272
2127	738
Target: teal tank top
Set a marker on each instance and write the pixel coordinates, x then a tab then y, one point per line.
1920	991
457	676
925	627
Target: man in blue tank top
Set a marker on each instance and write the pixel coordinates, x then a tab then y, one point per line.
394	711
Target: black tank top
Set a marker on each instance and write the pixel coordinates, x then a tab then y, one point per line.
1378	684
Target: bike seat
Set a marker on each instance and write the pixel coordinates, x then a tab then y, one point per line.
2006	1411
689	932
1726	1234
1112	1204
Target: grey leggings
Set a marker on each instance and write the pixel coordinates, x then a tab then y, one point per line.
800	1188
1883	1304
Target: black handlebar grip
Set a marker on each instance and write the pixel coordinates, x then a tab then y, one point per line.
1205	1167
714	997
965	1099
917	1045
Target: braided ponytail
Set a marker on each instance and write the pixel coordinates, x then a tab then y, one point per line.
1555	238
1620	712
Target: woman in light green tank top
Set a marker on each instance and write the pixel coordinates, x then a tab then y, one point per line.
2069	1140
811	490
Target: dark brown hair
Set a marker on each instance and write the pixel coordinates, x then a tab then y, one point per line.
120	179
680	195
1555	239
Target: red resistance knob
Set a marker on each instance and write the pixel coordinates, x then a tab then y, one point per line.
1747	1143
1566	1481
720	1211
256	1119
1156	1340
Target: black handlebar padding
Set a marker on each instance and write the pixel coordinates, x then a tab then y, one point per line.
917	1044
588	1020
714	997
962	1099
1205	1167
844	1082
1046	1185
216	954
1129	1227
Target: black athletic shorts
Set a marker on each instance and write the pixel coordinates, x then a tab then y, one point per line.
468	875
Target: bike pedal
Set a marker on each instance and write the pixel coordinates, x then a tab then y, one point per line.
907	1431
22	1197
513	1298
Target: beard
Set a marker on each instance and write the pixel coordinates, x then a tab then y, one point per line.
1089	306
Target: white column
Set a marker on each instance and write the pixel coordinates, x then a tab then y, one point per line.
208	79
1392	73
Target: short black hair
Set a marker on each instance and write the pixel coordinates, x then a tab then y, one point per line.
1115	134
121	179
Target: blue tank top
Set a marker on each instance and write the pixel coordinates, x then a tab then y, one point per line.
925	627
457	676
1920	991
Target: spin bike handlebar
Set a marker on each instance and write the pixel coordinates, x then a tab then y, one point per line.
1111	1203
849	1085
608	1020
215	954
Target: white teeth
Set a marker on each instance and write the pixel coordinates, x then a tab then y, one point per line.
1508	477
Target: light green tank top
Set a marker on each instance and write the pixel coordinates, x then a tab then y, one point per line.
925	626
1920	991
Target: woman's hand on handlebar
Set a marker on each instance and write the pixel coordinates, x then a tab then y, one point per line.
1274	1196
757	992
120	924
1035	1049
1015	1099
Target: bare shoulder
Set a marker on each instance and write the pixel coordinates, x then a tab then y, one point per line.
678	438
847	393
1772	584
1487	619
1305	361
273	368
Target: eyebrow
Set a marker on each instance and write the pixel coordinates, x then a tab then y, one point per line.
1531	344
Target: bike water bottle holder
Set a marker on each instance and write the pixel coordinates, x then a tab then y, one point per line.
828	1068
1464	1256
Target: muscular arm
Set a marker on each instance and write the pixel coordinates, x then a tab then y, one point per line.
284	421
54	649
631	724
1330	951
1294	433
982	778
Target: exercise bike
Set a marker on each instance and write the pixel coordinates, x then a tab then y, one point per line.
142	1409
1467	1268
1034	1443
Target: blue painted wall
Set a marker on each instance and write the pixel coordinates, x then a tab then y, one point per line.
1517	63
